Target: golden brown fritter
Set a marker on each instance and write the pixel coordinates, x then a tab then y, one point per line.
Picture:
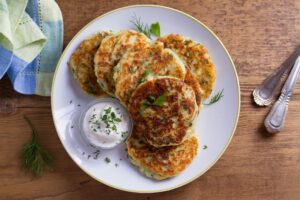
163	109
164	162
191	80
196	57
82	64
111	51
139	66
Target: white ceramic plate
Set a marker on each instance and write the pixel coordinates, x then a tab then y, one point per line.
215	124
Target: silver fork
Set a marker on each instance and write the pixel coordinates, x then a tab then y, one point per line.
275	119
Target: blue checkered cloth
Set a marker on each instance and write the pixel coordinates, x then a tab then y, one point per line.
30	67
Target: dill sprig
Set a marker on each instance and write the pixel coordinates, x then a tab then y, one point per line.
34	158
144	28
140	26
215	98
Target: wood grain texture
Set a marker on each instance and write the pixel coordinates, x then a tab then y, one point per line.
259	36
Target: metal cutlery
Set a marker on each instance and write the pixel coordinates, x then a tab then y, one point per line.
275	119
267	92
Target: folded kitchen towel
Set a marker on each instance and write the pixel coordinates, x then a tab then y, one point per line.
20	36
31	37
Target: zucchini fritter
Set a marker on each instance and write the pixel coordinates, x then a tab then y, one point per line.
161	163
111	51
195	57
137	67
82	64
163	109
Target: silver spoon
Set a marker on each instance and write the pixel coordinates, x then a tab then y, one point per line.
267	92
275	119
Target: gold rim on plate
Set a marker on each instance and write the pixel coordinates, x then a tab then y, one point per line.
232	64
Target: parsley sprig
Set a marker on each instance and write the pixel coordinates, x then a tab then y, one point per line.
159	101
144	28
155	29
219	95
35	158
151	100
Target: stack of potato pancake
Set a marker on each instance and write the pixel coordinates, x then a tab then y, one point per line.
162	84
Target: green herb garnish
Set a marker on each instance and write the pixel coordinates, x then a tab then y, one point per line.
141	27
215	98
118	120
107	160
144	28
187	42
151	100
91	89
123	134
145	75
110	119
204	147
113	115
155	29
35	158
96	154
141	80
108	110
160	100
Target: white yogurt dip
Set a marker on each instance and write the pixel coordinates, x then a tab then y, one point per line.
106	123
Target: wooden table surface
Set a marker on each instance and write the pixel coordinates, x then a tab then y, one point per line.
259	35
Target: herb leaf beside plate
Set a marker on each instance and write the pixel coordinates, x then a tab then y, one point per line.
34	157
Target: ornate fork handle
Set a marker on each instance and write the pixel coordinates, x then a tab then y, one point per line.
275	119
